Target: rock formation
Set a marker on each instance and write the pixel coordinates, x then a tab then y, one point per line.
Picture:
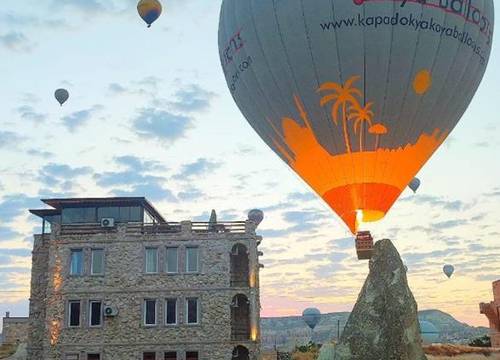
383	324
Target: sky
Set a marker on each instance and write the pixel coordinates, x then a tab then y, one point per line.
150	115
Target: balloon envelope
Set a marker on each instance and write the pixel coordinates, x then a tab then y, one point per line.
312	317
61	95
256	216
428	332
149	10
354	95
414	184
448	270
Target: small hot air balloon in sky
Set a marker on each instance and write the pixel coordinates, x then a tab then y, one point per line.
354	95
61	95
256	216
312	317
448	270
149	10
414	184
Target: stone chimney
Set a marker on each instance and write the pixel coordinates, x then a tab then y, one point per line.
492	311
7	314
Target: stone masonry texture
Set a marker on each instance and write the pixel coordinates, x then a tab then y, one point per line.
125	285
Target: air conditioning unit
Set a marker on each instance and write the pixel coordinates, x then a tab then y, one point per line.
110	311
108	222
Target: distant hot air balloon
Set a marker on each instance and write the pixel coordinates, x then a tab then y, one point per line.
428	332
414	184
448	270
149	10
61	95
354	95
256	216
312	317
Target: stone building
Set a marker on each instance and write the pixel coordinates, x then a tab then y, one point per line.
113	280
15	329
492	312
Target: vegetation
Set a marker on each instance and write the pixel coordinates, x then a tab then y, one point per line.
483	341
306	352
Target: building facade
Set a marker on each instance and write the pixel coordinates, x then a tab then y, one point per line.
15	329
113	280
492	311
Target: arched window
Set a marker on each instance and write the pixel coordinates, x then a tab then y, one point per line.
240	318
240	353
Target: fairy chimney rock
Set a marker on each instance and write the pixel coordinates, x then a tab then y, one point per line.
383	324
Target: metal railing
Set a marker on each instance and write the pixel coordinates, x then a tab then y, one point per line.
233	227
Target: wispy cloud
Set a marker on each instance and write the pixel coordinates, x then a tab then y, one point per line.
10	140
16	41
77	119
192	98
200	167
29	113
161	125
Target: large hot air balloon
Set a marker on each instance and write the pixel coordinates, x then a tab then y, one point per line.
312	317
149	10
414	184
61	95
355	95
448	270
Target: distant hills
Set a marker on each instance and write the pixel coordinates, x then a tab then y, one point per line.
286	332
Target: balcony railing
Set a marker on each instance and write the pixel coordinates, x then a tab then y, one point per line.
233	227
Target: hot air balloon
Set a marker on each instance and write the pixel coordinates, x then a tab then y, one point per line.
428	332
149	10
448	270
312	317
414	184
61	95
354	95
256	216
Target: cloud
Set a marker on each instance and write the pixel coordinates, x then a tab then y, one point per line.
79	118
7	234
40	153
16	252
10	140
117	88
62	175
16	41
190	194
12	206
161	125
152	190
298	196
448	224
200	167
437	201
136	164
85	6
28	113
192	99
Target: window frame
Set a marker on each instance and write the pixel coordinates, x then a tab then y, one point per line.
177	260
92	261
146	259
197	260
171	352
193	351
79	302
176	311
82	270
101	315
198	312
145	313
98	354
148	352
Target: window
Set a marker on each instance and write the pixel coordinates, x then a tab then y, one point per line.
71	357
191	355
151	260
74	313
172	260
76	266
192	259
93	357
97	262
149	356
171	311
79	216
171	355
192	310
149	312
95	312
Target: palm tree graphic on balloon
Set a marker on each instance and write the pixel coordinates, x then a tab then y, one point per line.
344	97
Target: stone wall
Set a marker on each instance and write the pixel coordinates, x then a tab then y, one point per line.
125	285
492	312
15	330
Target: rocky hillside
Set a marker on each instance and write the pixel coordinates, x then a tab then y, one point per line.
286	332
